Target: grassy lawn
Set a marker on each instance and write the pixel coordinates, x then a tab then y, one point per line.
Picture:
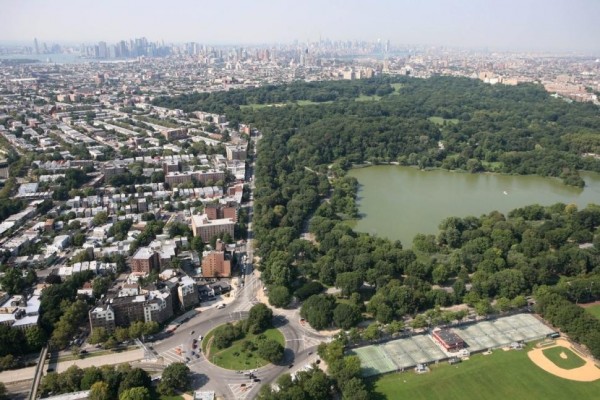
311	103
234	358
440	120
501	375
255	106
362	97
162	397
594	310
396	87
572	361
492	165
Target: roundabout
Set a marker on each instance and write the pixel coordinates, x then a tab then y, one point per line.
243	353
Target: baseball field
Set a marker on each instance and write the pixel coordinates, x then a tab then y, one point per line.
498	376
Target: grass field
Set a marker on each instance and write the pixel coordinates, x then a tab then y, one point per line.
256	106
397	87
594	310
572	361
501	375
440	120
234	358
362	97
311	103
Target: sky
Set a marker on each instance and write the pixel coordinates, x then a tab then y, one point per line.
559	25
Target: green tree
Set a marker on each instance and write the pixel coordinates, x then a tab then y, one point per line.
175	377
483	307
13	281
121	334
279	296
519	301
90	376
225	334
150	328
100	218
372	332
260	318
99	391
100	286
136	393
503	304
318	310
71	378
3	392
136	329
36	338
197	245
270	350
110	343
50	384
99	335
346	316
137	377
349	282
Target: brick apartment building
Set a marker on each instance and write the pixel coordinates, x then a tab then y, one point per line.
222	211
205	228
215	265
145	260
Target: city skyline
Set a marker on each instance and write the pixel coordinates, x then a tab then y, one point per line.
510	25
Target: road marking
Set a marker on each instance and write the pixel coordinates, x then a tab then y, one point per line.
239	391
171	355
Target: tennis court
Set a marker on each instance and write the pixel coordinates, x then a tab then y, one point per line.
502	332
405	353
374	360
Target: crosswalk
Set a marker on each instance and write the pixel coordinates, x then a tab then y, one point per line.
173	355
239	392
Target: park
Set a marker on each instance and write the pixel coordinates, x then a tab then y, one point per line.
512	373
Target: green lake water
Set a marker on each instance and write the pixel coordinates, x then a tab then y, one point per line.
399	202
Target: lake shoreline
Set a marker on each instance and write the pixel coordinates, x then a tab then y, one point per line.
401	201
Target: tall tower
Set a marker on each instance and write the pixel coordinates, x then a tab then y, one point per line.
36	46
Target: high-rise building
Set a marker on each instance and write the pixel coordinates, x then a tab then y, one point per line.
206	229
102	50
214	264
36	46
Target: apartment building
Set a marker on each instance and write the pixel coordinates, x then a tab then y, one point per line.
205	228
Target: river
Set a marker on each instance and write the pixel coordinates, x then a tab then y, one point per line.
399	202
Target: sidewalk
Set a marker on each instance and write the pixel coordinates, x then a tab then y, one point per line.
17	375
109	359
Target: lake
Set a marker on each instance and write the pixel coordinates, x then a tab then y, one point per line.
399	202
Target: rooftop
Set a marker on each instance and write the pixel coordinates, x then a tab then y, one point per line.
449	337
143	253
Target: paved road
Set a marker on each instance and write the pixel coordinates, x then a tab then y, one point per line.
300	340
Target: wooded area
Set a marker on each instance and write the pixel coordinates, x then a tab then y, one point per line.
489	262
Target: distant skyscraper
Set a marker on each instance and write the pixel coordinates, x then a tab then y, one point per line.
102	50
36	46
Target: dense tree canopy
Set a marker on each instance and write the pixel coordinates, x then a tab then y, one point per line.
441	122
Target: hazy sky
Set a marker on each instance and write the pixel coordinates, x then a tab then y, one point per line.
496	24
